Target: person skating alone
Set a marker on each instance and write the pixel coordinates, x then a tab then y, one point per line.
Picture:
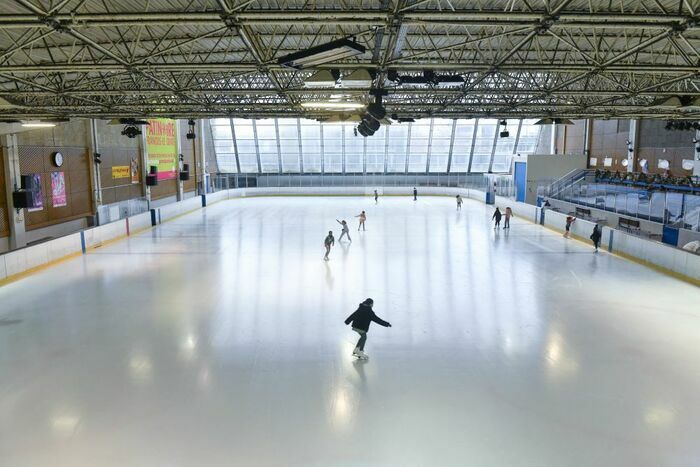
363	218
497	217
415	194
328	243
509	214
569	220
361	319
595	237
459	202
346	230
376	197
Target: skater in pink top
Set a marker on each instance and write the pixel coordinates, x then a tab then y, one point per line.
363	218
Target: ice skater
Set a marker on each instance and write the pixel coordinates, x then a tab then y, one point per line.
459	202
415	194
361	319
497	217
595	237
328	243
509	214
345	232
376	197
363	218
569	220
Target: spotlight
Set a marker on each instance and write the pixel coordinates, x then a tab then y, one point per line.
131	131
190	134
97	158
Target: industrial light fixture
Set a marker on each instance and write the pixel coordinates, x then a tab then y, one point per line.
190	132
322	79
38	124
332	105
558	121
128	121
504	133
324	53
359	78
131	131
449	81
4	104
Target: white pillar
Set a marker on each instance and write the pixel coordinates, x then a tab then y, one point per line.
178	165
96	176
632	145
553	142
144	165
12	182
696	168
202	160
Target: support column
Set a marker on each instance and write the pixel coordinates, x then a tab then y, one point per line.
96	175
145	166
553	141
587	135
696	168
202	169
632	145
12	183
180	194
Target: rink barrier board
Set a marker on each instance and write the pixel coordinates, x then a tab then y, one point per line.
20	263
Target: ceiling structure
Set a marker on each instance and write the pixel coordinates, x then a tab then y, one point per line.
208	58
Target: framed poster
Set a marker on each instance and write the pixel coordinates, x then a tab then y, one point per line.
58	189
161	147
37	194
134	165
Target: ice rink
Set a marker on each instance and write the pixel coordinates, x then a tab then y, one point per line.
218	339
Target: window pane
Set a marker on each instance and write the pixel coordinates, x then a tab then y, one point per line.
226	162
243	128
269	163
249	163
222	131
464	132
354	151
376	146
439	153
483	146
418	154
504	148
529	133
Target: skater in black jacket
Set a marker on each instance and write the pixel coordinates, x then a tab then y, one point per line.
361	320
497	217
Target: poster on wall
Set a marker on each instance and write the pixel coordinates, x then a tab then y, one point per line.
134	170
121	171
161	147
58	189
37	194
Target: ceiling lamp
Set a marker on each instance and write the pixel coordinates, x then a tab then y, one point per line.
672	102
695	102
324	53
558	121
360	78
38	124
449	81
127	121
322	79
332	105
504	133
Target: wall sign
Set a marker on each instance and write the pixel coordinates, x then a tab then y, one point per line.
121	171
58	189
161	147
134	166
37	194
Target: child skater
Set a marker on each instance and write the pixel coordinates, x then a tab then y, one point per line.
595	237
509	214
569	220
346	230
363	218
361	320
328	243
459	202
497	217
376	197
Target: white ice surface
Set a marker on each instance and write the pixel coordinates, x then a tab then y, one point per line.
218	339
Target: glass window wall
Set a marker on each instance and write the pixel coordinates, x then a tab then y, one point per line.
425	146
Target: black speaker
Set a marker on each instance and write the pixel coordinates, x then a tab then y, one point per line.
184	176
151	179
22	199
27	183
